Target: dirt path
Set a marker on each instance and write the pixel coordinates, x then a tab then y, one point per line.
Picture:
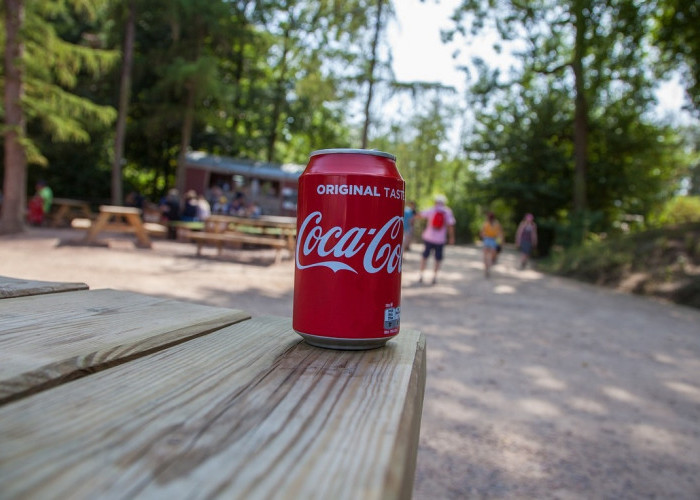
537	387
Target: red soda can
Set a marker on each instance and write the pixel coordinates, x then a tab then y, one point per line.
347	281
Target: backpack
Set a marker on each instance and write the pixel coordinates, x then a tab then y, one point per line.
438	220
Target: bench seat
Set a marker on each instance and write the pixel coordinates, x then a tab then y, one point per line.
218	239
273	232
151	227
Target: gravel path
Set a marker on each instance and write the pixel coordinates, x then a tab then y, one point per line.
538	387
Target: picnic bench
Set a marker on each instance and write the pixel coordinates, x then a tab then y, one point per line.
183	227
267	231
119	220
107	394
64	210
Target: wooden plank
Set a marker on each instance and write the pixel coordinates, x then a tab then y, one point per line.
270	241
80	204
150	227
263	222
119	210
155	228
49	339
15	287
247	412
81	223
219	238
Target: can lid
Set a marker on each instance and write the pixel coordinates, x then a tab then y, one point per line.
373	152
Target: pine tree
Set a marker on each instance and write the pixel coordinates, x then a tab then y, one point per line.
39	70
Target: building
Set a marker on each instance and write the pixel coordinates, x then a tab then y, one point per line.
272	186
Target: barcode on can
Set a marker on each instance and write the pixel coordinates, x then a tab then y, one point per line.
392	317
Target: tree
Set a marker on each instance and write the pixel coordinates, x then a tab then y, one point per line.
295	42
40	68
379	26
15	158
194	70
592	50
678	36
322	42
123	108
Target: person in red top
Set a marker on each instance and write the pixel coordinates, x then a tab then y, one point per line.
439	229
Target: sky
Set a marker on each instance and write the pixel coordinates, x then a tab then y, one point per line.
418	52
420	55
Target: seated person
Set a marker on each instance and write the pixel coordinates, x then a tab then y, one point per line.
189	211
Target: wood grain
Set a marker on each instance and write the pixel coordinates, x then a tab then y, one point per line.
49	339
15	287
249	411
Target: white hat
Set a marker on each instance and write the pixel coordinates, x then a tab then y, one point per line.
440	198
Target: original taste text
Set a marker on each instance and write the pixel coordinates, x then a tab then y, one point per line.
359	190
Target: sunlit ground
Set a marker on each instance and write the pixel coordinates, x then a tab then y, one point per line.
538	387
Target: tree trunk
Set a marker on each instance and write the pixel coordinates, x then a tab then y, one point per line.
279	99
15	181
370	76
187	125
238	60
580	115
124	89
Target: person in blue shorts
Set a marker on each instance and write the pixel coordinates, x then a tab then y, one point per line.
409	216
491	234
439	230
526	239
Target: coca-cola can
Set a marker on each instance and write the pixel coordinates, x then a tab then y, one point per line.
347	281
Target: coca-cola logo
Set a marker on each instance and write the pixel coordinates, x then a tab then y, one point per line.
335	248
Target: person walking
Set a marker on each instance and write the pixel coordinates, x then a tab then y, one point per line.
190	207
491	234
170	208
46	194
39	205
440	229
409	215
526	238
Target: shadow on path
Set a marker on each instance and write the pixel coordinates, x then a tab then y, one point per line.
540	387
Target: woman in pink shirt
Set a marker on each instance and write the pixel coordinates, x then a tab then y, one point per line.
440	229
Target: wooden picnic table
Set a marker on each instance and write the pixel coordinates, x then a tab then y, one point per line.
119	219
105	394
268	231
64	210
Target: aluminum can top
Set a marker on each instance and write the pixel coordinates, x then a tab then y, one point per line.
373	152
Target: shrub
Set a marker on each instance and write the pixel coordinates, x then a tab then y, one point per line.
678	210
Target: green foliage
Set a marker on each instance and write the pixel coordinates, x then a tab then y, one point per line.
265	80
633	167
677	35
678	210
276	80
76	171
53	69
584	79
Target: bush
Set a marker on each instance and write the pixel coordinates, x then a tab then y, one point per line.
678	210
664	262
